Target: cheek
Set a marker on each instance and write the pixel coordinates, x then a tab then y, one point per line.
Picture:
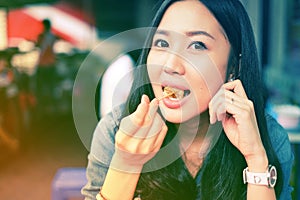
221	59
154	69
155	58
207	74
155	64
154	72
222	67
202	93
150	66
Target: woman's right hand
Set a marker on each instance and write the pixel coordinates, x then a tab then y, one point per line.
139	138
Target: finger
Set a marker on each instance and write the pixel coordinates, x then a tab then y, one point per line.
220	109
130	124
139	115
212	107
221	112
145	139
149	124
160	138
155	127
148	144
237	87
214	104
153	106
150	130
233	98
227	90
219	106
145	98
240	110
227	94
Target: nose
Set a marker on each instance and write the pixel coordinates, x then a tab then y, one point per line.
174	64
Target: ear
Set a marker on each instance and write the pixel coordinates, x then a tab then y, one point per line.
235	69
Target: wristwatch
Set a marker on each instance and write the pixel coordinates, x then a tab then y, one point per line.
267	178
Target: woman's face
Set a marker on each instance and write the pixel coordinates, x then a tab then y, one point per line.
189	53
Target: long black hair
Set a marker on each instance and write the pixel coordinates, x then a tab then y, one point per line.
221	171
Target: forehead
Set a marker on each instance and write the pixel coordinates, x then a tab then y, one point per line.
189	15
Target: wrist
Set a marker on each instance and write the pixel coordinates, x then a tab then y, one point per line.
122	164
257	162
100	196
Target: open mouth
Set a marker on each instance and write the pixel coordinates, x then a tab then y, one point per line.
174	93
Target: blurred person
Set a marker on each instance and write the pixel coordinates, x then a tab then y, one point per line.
27	98
196	94
46	69
9	115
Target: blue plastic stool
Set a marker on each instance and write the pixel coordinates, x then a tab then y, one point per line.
67	184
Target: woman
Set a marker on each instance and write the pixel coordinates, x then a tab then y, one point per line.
201	73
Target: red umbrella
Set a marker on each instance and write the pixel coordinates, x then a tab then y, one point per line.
67	22
22	25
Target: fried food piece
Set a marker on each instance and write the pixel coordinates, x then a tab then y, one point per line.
173	93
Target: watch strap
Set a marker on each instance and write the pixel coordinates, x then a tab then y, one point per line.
256	178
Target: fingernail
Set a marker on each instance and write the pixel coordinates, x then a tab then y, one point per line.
212	120
143	98
155	101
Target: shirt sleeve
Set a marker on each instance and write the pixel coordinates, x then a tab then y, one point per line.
99	158
283	149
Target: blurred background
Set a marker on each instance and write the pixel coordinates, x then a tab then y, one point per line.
43	43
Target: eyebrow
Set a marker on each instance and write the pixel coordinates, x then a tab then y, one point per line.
193	33
162	32
189	33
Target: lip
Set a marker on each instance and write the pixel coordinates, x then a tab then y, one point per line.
173	104
180	87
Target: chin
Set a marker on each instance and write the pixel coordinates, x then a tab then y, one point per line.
183	115
177	116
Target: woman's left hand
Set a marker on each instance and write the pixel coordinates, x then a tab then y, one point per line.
232	106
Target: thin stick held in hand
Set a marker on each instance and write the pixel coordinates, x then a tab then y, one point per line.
166	95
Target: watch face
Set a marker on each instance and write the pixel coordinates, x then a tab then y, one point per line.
273	176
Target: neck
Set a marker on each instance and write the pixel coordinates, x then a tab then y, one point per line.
193	132
197	137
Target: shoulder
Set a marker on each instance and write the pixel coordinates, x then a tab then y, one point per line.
103	141
282	146
279	139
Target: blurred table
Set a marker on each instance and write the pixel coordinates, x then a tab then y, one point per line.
294	137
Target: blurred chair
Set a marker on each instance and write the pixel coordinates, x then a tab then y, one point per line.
115	84
67	184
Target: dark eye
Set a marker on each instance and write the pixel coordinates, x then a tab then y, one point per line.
198	45
161	43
